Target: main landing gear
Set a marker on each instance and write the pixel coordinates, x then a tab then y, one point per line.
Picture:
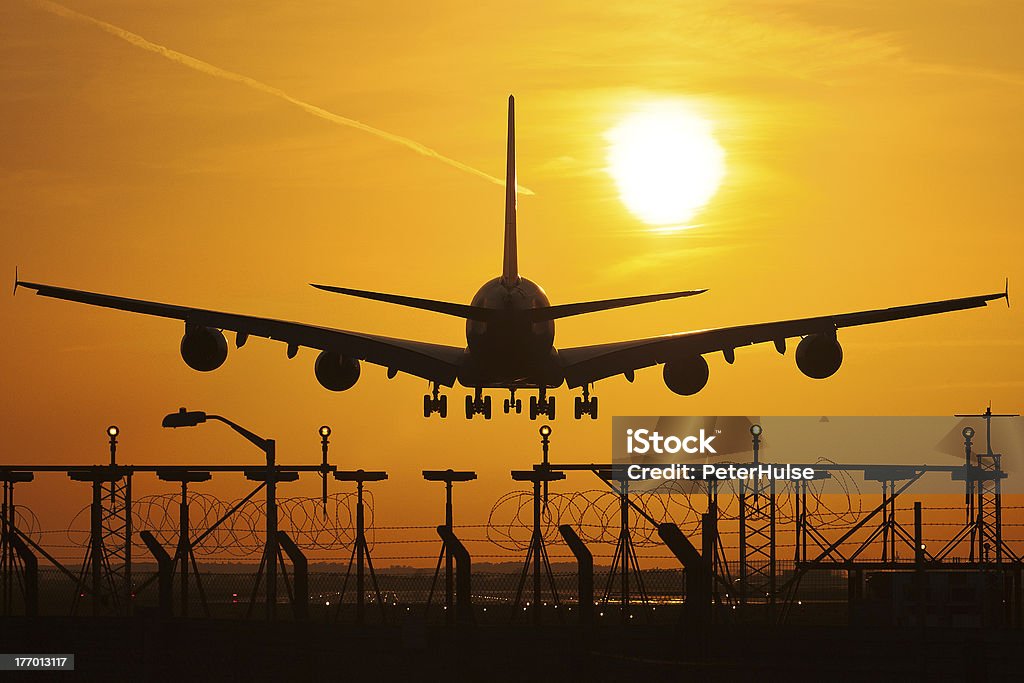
586	405
435	403
542	405
513	403
478	404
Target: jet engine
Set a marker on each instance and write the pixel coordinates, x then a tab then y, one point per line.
203	348
819	356
336	372
686	376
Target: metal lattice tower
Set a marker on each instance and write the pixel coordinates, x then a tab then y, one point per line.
757	541
757	535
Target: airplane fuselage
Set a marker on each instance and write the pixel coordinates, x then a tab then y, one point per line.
511	350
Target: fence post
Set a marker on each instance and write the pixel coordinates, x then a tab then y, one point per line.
30	575
698	581
300	576
584	572
165	572
463	574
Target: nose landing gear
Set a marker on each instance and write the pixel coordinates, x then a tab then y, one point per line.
435	403
586	405
542	405
513	403
478	404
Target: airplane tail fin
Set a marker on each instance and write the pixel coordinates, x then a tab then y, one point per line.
510	263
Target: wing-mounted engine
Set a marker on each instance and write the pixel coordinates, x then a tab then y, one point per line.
819	355
686	375
336	372
203	348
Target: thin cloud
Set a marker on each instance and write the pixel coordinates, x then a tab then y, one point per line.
217	72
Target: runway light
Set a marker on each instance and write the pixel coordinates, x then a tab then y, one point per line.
325	431
113	431
755	429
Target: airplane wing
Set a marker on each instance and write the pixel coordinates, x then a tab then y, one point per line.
585	364
434	362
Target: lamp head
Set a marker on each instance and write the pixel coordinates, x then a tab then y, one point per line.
325	431
755	429
113	431
968	433
184	418
545	431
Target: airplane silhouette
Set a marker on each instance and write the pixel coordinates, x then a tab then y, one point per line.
510	334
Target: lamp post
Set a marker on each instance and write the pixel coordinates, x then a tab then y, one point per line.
755	431
325	433
187	418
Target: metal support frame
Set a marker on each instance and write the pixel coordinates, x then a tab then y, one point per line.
18	566
536	551
625	563
106	568
361	549
446	557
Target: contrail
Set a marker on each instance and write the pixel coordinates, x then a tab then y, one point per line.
217	72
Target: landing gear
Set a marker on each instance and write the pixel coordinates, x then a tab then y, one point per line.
586	405
435	403
478	404
542	405
513	403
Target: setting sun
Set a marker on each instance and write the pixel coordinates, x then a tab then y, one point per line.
666	163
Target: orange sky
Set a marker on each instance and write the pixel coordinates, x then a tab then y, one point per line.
873	159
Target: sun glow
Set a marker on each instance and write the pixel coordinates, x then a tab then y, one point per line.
666	163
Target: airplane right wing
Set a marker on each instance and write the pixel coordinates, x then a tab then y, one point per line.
585	364
434	362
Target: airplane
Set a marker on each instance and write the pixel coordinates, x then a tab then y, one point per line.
510	332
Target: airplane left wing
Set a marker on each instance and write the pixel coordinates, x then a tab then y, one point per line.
584	364
435	362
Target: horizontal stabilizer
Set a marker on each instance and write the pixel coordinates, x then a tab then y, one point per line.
566	310
448	308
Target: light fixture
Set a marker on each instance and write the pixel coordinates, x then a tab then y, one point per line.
325	431
113	431
545	431
968	432
755	429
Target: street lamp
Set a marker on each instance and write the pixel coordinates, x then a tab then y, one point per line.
325	432
191	418
270	478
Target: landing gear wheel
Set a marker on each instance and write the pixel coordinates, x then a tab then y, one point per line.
577	407
533	407
428	408
551	408
469	408
486	407
593	408
507	406
443	408
519	405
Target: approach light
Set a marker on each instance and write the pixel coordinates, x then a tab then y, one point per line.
755	429
545	431
325	431
113	431
968	432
